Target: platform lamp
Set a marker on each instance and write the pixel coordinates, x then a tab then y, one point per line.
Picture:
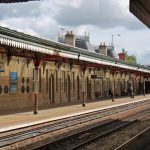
112	40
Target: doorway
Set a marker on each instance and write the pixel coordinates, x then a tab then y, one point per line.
51	89
68	90
78	88
88	88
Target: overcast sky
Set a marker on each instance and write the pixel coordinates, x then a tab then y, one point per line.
101	18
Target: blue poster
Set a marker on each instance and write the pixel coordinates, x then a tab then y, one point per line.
13	82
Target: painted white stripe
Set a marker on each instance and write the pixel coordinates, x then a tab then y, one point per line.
62	54
26	46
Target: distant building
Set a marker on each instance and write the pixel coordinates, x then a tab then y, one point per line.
83	42
128	58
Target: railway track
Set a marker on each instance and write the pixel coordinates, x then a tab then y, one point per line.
10	139
138	142
78	140
90	135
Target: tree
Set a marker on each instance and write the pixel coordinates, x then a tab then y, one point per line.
132	59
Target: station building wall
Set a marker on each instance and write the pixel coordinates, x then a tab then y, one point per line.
57	85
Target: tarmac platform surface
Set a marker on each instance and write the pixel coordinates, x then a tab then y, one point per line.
13	121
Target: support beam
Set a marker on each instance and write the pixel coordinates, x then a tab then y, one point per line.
36	85
9	55
83	68
140	8
44	66
28	61
15	1
132	96
83	92
144	87
36	91
113	88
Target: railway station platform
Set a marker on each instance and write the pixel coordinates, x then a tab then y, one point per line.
19	120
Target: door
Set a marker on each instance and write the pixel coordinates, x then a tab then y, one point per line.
78	88
68	88
88	88
51	89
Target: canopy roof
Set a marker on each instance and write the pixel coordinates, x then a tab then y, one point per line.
14	1
141	9
20	40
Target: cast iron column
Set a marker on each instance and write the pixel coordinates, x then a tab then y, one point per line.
36	87
131	86
113	88
144	87
83	90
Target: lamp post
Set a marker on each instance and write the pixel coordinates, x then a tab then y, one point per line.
112	40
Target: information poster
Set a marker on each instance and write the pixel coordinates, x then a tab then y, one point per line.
13	82
1	64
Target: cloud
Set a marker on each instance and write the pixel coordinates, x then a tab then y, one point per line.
101	18
41	26
100	13
19	10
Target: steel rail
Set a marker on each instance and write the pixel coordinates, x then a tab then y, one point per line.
105	130
14	138
113	130
132	140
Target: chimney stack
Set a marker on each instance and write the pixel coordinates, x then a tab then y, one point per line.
70	38
103	49
122	55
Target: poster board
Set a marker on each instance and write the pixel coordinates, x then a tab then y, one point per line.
13	82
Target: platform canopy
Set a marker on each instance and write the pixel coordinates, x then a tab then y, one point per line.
15	1
141	9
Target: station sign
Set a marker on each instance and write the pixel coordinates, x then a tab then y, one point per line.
93	76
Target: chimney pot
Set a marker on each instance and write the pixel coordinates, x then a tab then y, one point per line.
103	49
122	56
70	38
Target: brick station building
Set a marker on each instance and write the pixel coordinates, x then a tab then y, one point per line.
36	72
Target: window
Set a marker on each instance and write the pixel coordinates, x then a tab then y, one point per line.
56	73
40	81
63	81
38	78
107	84
46	80
33	80
73	81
